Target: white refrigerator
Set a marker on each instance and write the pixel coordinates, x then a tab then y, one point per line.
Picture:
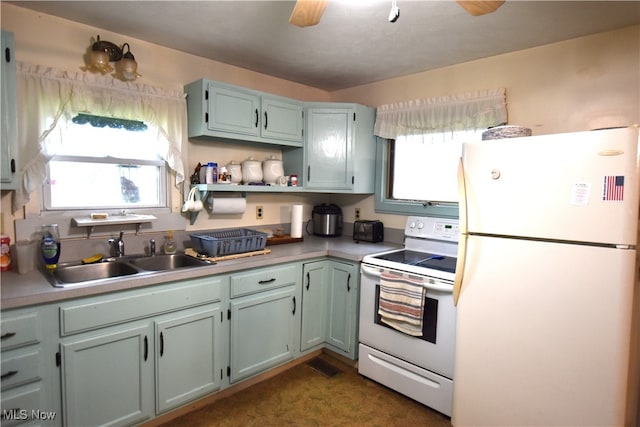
547	269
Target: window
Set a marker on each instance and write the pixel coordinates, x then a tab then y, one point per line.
424	167
419	146
75	156
99	166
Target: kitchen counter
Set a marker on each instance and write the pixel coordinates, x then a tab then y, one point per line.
20	290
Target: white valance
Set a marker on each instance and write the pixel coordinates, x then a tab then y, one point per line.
470	111
50	98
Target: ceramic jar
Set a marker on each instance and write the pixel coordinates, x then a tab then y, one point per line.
251	171
235	170
272	169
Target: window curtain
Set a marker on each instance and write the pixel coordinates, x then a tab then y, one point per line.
442	115
50	98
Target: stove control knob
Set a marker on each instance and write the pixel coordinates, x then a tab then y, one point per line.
420	226
412	224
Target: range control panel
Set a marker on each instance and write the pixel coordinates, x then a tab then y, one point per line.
432	228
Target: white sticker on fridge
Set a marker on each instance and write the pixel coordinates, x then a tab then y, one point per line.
580	193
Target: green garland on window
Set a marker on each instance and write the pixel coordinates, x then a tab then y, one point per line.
112	122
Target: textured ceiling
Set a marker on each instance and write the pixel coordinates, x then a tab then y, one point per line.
354	43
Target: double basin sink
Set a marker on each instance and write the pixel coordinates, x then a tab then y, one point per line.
76	273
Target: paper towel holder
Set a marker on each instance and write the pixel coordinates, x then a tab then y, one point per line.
203	196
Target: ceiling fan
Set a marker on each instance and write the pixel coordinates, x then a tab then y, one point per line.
307	13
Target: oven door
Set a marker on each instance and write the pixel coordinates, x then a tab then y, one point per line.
435	350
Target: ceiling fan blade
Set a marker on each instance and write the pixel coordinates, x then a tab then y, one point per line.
480	7
307	12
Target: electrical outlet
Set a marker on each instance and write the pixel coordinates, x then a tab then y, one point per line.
357	213
259	212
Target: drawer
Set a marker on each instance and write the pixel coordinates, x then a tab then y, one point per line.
18	331
23	404
99	312
263	279
19	369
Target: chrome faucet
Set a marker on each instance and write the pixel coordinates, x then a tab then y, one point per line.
152	247
117	245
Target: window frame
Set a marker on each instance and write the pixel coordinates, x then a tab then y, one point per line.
163	203
384	204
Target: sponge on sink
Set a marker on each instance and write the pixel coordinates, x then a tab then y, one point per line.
92	259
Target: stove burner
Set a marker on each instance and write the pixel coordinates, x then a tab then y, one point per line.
421	259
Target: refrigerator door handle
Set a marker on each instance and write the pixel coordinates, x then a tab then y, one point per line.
462	242
460	262
462	196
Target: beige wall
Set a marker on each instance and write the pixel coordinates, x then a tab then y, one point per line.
580	84
574	85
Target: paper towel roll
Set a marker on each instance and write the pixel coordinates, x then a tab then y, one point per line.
296	221
227	205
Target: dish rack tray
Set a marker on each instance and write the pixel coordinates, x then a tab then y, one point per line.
227	242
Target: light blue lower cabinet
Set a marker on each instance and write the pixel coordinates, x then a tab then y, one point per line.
30	382
107	378
343	297
314	305
189	355
263	327
129	356
330	296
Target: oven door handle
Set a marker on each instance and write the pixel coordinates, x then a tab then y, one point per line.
436	286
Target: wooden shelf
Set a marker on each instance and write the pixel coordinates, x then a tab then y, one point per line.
89	222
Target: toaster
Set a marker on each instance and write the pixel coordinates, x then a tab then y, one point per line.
368	231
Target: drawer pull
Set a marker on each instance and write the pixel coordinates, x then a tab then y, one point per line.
266	282
8	375
7	335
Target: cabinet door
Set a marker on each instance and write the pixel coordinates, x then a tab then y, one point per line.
328	148
342	288
281	119
314	304
188	356
262	331
233	110
9	122
107	379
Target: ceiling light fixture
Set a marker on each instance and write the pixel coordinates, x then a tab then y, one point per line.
102	52
394	14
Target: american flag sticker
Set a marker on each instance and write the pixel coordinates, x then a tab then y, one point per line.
613	188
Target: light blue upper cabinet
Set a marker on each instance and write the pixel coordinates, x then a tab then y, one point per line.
281	119
230	112
339	153
8	115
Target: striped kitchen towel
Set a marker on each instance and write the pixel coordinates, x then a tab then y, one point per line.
401	303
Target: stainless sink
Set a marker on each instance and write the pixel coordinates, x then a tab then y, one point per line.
86	272
167	262
74	274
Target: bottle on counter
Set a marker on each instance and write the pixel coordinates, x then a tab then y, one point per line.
5	253
50	246
170	246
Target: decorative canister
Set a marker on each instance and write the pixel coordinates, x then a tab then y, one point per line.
5	253
235	170
272	169
251	171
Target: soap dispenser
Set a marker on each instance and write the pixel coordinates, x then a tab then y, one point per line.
170	245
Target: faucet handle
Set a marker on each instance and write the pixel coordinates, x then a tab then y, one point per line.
152	247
